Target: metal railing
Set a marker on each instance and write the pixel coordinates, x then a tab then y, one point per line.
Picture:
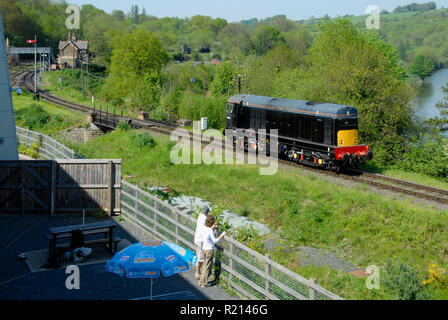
47	147
252	274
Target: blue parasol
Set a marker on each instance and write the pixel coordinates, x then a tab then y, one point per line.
148	259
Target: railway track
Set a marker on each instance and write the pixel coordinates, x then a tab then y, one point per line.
385	183
402	186
376	180
27	78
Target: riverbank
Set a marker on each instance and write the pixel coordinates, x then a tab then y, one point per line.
429	94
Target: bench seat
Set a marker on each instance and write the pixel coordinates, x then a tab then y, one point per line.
85	233
91	243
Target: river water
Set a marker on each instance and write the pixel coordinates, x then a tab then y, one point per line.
430	94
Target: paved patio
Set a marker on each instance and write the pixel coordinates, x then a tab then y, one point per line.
27	234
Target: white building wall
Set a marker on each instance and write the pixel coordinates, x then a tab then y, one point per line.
8	139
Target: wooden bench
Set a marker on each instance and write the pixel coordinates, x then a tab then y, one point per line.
85	233
88	243
105	242
97	228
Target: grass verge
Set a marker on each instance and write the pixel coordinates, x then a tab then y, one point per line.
43	116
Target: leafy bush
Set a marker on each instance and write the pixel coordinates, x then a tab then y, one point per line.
123	126
143	140
422	66
72	73
33	117
437	275
403	281
249	236
32	152
426	156
196	106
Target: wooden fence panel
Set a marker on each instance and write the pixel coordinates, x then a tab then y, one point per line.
25	186
88	185
52	186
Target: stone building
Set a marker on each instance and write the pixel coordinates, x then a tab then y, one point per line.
13	59
72	52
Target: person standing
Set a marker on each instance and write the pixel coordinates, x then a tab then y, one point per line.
200	224
208	248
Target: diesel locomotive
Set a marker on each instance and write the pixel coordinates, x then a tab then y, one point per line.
317	134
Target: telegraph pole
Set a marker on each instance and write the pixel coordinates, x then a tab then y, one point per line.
239	79
88	79
239	84
35	64
82	76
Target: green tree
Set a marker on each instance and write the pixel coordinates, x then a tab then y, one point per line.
299	39
99	29
266	38
224	79
263	73
235	39
134	14
422	66
118	14
136	68
353	67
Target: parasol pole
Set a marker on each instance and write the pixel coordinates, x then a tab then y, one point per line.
151	288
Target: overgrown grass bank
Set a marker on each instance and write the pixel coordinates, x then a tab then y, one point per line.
43	116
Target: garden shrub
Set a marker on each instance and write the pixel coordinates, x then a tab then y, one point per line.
143	140
425	156
123	126
33	117
401	280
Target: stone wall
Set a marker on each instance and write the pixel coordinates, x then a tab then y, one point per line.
80	134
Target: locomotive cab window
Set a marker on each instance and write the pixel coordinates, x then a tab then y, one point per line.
348	123
229	108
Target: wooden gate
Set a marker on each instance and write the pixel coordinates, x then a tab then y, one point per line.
25	186
65	185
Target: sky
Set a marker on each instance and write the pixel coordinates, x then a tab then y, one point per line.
237	10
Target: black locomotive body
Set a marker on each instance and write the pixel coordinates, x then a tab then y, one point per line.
318	134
